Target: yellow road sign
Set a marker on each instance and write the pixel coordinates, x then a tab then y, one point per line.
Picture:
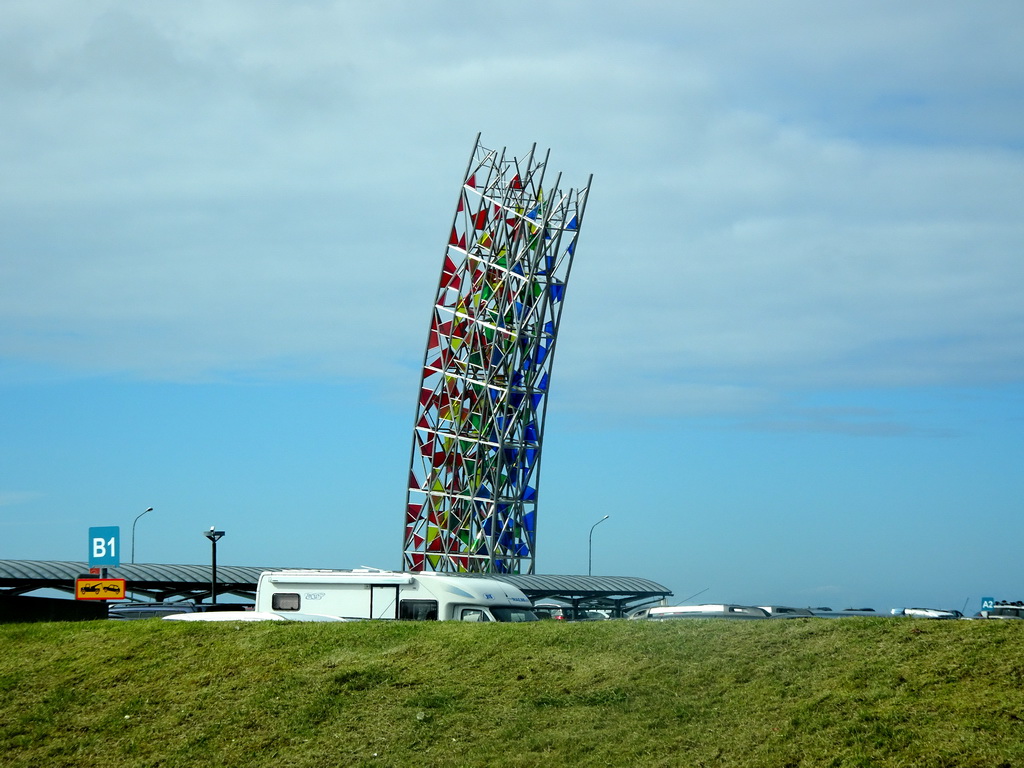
100	589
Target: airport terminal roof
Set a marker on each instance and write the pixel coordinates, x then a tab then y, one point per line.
157	581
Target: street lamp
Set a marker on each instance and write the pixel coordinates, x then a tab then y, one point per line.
214	537
590	556
133	533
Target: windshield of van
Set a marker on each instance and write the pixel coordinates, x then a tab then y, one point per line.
513	614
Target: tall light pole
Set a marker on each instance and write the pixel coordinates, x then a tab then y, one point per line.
214	537
590	555
133	532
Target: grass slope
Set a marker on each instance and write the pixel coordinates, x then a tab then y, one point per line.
853	692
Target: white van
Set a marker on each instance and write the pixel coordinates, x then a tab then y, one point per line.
367	593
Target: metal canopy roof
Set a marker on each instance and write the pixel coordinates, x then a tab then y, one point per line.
618	593
154	580
161	582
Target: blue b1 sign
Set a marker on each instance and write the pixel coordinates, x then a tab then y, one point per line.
105	546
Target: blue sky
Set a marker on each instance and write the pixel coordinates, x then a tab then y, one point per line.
791	363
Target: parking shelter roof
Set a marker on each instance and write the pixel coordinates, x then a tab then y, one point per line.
161	581
154	580
616	592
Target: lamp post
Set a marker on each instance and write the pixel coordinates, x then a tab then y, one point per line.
214	537
133	532
590	555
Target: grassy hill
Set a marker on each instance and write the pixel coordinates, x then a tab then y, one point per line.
807	692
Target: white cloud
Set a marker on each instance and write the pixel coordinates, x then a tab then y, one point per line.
790	197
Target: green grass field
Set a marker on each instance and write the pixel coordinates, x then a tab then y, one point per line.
807	692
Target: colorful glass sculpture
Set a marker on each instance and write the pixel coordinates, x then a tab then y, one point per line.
471	504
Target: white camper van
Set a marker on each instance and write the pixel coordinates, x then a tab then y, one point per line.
367	593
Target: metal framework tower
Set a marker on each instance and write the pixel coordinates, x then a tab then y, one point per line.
472	496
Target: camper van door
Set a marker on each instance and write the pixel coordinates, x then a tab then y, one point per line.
384	601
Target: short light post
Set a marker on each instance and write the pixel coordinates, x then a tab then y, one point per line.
133	532
214	537
590	550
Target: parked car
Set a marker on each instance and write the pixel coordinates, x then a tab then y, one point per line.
131	611
927	613
253	616
1004	610
567	613
828	613
786	612
706	611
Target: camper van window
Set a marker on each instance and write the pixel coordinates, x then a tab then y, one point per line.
473	614
418	610
285	601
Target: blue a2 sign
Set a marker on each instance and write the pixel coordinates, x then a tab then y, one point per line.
105	546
